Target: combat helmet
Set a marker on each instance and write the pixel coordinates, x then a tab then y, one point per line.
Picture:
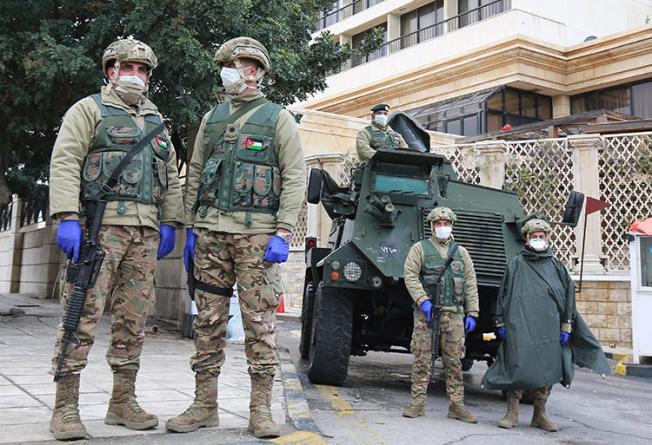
535	225
441	213
244	47
128	50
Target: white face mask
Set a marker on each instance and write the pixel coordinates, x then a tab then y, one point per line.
538	244
381	119
232	80
444	232
131	89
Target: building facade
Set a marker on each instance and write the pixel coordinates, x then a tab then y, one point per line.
470	67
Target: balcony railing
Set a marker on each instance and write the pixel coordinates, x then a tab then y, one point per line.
430	32
331	17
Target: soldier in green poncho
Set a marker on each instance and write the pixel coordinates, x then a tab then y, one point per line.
543	334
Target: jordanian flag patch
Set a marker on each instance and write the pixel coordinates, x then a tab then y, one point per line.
253	144
161	143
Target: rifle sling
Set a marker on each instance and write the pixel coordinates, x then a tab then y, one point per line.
448	262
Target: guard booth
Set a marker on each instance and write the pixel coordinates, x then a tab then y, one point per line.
640	250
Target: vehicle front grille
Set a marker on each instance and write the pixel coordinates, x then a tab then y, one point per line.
482	235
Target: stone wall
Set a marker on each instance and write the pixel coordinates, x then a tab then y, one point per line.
607	309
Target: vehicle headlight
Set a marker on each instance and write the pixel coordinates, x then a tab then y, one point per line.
352	271
335	265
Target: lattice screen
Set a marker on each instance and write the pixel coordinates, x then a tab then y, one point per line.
625	178
349	162
464	160
541	173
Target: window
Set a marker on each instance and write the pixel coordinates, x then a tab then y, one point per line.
357	42
422	24
484	111
397	184
614	99
471	11
641	100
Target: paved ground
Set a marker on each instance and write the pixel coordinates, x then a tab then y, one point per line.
165	383
367	409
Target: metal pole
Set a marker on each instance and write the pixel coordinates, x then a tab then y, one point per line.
582	256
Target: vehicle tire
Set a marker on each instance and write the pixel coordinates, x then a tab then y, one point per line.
307	309
330	345
467	363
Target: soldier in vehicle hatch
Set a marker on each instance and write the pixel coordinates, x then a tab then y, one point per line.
459	305
378	135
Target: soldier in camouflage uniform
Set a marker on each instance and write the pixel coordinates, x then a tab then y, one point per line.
378	135
459	296
245	187
138	226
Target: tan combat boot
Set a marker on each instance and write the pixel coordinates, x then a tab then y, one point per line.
459	412
417	406
65	423
539	418
511	417
123	407
260	415
203	410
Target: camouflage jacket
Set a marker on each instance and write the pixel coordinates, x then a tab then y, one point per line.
412	271
363	141
70	149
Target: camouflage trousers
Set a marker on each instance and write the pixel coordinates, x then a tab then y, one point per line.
222	259
536	394
451	345
127	279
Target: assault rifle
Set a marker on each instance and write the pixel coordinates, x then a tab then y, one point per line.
433	288
84	273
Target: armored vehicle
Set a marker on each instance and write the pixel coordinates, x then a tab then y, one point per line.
355	298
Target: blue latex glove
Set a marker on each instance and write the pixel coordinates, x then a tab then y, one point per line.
277	250
469	324
166	244
189	248
502	332
564	337
425	307
69	237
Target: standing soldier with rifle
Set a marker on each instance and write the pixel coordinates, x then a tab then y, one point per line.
440	277
113	168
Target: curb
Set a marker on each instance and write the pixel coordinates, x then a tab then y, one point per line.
288	316
298	413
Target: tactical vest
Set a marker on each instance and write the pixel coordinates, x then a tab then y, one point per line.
241	170
454	285
145	178
385	140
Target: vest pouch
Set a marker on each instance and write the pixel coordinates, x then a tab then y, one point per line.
276	181
254	148
119	135
161	148
92	167
458	290
210	172
160	183
263	184
243	179
429	280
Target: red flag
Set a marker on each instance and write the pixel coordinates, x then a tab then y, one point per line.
595	205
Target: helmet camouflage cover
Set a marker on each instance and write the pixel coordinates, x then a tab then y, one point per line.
128	50
439	213
243	47
535	225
